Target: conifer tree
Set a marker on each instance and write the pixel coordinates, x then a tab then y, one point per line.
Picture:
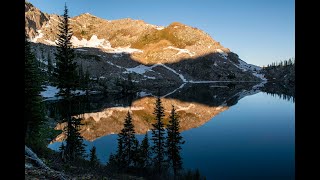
144	153
136	154
66	69
33	111
174	140
75	148
66	72
127	137
158	138
94	161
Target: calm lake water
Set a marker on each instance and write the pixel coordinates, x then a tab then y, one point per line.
248	135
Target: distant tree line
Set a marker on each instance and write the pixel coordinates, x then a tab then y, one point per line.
289	62
283	71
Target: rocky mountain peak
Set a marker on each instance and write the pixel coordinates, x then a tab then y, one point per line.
127	42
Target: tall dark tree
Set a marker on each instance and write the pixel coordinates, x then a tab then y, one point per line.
66	69
128	139
158	136
144	153
33	111
94	161
66	72
173	143
75	148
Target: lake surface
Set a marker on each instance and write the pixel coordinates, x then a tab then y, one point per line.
230	132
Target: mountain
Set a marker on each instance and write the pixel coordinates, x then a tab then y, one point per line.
112	49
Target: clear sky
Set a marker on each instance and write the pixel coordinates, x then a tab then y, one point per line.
259	31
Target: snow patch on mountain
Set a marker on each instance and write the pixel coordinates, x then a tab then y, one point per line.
50	42
182	85
127	50
245	66
35	39
222	53
141	69
180	51
49	92
93	42
249	67
172	70
160	27
143	94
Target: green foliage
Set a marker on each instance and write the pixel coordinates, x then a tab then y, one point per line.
158	137
144	153
33	111
127	87
67	78
75	148
94	161
66	67
128	142
174	140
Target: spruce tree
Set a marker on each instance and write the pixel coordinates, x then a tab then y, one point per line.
158	137
75	148
118	160
94	161
136	154
174	140
128	139
66	69
66	72
33	111
144	153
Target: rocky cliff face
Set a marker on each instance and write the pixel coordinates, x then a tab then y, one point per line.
175	53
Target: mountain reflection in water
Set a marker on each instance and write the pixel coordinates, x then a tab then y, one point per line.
196	104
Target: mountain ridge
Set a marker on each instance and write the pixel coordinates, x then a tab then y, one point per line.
185	49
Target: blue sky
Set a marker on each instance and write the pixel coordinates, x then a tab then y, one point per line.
259	31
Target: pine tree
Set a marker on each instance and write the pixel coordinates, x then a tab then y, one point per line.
66	74
33	111
174	140
127	138
66	67
158	138
144	153
118	160
94	161
136	154
75	148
